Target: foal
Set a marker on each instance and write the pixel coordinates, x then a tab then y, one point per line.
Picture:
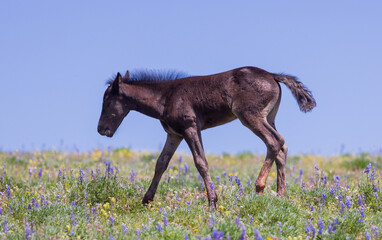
186	106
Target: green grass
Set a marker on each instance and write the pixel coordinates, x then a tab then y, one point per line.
61	195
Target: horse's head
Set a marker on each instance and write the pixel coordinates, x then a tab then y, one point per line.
114	108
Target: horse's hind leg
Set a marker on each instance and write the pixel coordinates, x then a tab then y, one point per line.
274	142
282	155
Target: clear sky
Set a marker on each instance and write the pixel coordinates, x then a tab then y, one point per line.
55	57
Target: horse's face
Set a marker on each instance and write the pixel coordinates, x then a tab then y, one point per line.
113	109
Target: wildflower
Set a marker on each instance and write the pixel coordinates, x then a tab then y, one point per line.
376	196
111	237
159	227
362	213
342	210
73	203
367	170
111	221
348	202
217	179
73	219
215	234
124	228
5	226
27	231
323	197
185	236
320	225
311	208
165	220
138	233
132	175
40	173
249	181
280	225
256	234
374	231
8	191
300	174
367	235
243	232
313	229
250	219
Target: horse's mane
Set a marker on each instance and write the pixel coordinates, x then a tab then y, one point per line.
150	75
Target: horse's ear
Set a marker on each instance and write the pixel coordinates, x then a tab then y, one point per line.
116	82
127	75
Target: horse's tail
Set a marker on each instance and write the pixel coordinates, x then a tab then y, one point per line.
303	96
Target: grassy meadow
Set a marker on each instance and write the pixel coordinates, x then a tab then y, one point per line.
97	195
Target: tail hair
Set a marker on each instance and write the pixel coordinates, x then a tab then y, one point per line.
302	94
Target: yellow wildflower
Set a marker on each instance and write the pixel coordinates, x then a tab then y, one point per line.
195	230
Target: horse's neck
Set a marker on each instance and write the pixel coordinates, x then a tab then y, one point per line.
146	100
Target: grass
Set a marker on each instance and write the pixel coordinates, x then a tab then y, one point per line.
97	195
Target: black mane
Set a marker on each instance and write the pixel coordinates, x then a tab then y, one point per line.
151	75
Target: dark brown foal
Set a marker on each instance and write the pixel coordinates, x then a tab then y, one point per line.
186	106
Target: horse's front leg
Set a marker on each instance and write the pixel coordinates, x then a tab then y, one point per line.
169	148
193	138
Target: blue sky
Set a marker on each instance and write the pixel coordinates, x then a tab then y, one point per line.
56	56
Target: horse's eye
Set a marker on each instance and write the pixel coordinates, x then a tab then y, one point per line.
113	115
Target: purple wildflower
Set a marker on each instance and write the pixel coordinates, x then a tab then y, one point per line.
280	225
215	234
313	229
132	175
228	237
165	220
311	208
249	181
8	191
124	228
5	226
138	233
185	236
367	170
28	230
217	179
375	231
323	197
367	235
159	227
111	221
40	173
243	232
362	213
348	202
250	219
342	210
320	225
256	234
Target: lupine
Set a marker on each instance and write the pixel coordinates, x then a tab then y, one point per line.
124	228
313	229
132	175
165	220
250	219
367	169
28	231
215	234
342	210
375	231
138	233
5	226
185	236
367	234
8	191
348	202
323	197
256	234
111	221
311	208
159	227
320	225
249	181
280	225
243	232
361	211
